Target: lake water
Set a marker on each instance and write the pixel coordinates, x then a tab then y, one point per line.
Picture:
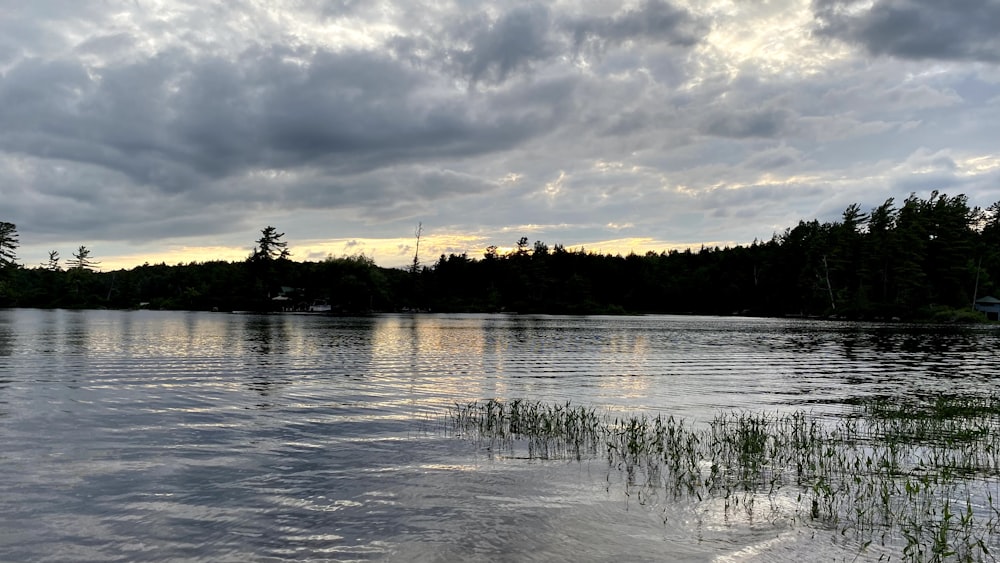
146	435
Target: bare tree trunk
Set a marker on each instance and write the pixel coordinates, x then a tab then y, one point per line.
975	290
416	253
829	288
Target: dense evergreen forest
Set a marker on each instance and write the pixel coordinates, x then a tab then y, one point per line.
916	259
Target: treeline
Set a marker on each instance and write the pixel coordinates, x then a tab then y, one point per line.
356	284
918	258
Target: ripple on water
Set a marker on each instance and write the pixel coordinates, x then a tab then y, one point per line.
191	436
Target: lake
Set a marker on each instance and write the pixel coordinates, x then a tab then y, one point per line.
154	435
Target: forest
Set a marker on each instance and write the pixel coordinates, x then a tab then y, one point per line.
919	259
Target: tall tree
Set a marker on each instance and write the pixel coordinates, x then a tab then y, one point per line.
989	250
951	248
845	259
879	249
269	261
415	267
522	247
270	246
52	264
8	244
81	260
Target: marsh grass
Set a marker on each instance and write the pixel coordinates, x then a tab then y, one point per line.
917	479
546	431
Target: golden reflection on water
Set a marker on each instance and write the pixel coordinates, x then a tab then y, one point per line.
625	354
206	429
458	360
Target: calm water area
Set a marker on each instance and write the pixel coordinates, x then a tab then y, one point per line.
184	436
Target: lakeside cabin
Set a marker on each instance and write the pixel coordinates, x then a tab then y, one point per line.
989	305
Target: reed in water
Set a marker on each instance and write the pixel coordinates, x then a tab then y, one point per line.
914	480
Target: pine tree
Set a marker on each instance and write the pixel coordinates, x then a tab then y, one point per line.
81	260
52	264
270	246
8	244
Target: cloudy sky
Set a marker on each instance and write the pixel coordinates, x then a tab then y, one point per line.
174	130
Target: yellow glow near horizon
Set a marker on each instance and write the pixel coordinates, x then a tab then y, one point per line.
391	252
388	252
173	256
642	245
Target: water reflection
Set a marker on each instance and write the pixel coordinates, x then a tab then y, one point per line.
7	344
226	437
264	334
264	338
74	331
6	332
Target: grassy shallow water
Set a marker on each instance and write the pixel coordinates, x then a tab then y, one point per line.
898	481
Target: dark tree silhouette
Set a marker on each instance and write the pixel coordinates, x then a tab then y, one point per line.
52	264
8	244
926	258
270	246
269	264
82	261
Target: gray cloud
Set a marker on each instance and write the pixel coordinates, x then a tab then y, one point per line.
773	159
762	122
492	46
30	29
586	119
107	45
174	121
513	41
915	29
654	21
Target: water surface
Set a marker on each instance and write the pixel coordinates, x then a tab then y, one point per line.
146	435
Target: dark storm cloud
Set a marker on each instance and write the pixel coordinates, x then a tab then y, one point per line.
916	29
60	110
490	48
51	198
753	201
514	41
365	111
175	121
653	21
765	122
382	193
774	158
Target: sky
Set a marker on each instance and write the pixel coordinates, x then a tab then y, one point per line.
175	130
